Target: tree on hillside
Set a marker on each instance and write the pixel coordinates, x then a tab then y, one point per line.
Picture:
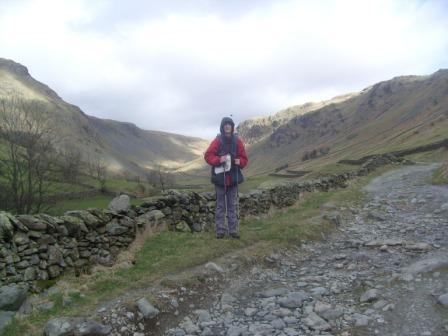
97	169
151	178
158	177
70	164
28	137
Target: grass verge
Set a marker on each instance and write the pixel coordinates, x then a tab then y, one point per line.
440	176
100	202
170	252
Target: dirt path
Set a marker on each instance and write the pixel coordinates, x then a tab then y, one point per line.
382	273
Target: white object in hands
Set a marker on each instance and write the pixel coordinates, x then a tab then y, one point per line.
225	167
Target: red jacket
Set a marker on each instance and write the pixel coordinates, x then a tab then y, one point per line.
212	156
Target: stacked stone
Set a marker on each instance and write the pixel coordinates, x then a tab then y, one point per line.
334	181
255	203
380	160
185	212
285	194
42	247
288	193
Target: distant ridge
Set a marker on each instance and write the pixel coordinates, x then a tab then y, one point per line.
404	112
255	129
124	146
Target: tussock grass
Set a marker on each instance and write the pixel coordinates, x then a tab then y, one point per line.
438	155
333	168
440	176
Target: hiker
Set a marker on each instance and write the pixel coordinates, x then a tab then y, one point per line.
227	156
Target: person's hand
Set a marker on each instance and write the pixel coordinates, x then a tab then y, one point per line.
223	158
237	162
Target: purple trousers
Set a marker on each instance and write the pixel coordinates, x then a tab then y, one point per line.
229	193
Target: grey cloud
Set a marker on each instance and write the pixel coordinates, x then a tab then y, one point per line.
116	12
179	91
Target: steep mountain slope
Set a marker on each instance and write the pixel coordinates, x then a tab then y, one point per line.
256	129
123	146
395	114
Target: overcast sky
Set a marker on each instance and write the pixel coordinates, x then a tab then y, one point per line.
181	65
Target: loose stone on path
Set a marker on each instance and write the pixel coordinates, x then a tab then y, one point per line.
351	281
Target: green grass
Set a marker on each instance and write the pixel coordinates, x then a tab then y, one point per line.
112	184
56	188
61	190
438	155
100	202
440	176
170	252
333	168
255	182
124	185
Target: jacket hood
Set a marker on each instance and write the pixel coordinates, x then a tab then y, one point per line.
226	120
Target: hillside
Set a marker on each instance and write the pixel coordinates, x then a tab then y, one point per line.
256	129
399	113
124	146
395	114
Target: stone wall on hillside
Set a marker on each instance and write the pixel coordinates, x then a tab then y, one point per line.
399	154
42	247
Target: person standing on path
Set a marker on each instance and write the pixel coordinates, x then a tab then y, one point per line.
227	156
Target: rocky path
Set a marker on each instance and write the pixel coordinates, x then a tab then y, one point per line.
384	272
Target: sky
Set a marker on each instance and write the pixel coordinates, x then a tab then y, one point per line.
181	65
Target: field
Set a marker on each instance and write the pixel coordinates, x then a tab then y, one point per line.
202	183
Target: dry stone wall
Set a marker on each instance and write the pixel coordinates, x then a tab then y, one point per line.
42	247
398	154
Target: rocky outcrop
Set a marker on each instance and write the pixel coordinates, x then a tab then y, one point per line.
256	129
